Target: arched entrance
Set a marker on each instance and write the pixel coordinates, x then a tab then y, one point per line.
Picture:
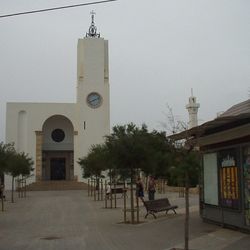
58	149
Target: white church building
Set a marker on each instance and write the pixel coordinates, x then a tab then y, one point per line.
56	135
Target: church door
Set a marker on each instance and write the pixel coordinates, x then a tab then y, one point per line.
57	168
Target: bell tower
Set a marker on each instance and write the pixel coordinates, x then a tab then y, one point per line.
92	65
93	105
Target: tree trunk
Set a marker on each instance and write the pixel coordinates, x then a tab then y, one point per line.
2	194
124	202
2	202
12	190
132	199
187	211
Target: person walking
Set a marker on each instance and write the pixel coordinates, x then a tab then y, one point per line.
151	188
139	189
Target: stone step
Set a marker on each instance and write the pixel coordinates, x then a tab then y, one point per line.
56	185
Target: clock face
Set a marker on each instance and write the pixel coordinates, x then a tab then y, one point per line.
94	100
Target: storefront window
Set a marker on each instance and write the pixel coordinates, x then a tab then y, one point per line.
246	172
229	185
210	179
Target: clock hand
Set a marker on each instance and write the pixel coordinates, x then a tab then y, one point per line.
93	100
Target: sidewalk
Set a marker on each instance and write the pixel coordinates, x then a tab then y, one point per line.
60	220
221	239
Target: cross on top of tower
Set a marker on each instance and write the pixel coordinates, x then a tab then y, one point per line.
92	15
92	29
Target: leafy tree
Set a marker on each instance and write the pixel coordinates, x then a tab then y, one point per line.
25	164
160	155
127	148
95	162
134	149
18	164
128	153
6	151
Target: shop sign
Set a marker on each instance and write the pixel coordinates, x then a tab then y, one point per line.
229	186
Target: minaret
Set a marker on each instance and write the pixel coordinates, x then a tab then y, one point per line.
192	108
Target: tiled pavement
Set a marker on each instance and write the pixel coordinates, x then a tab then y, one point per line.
72	220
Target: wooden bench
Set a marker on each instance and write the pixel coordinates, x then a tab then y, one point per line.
155	206
119	190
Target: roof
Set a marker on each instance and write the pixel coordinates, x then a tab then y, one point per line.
237	115
240	108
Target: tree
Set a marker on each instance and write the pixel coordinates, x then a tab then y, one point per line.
18	164
185	161
160	155
134	149
185	166
95	162
6	151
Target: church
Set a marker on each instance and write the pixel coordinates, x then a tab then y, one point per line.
56	135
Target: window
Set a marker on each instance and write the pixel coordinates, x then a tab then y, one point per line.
210	178
58	135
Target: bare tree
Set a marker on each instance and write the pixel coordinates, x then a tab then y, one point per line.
186	163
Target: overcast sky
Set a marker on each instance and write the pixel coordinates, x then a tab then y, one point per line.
158	51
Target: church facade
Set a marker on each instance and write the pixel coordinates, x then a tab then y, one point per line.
56	135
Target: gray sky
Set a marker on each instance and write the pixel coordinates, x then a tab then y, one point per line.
158	51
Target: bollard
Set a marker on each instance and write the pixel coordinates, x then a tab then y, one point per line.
105	188
91	187
111	197
164	186
2	196
124	203
98	188
25	189
88	187
2	202
94	189
101	190
132	202
21	188
137	209
181	192
115	192
18	187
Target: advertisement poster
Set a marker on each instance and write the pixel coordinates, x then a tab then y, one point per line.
229	186
246	168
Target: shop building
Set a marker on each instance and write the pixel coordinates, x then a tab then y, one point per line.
225	173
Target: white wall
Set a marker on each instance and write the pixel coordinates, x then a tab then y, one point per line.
92	76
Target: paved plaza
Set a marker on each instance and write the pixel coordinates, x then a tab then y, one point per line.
61	220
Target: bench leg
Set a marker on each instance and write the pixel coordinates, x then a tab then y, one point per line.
171	209
150	213
153	214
